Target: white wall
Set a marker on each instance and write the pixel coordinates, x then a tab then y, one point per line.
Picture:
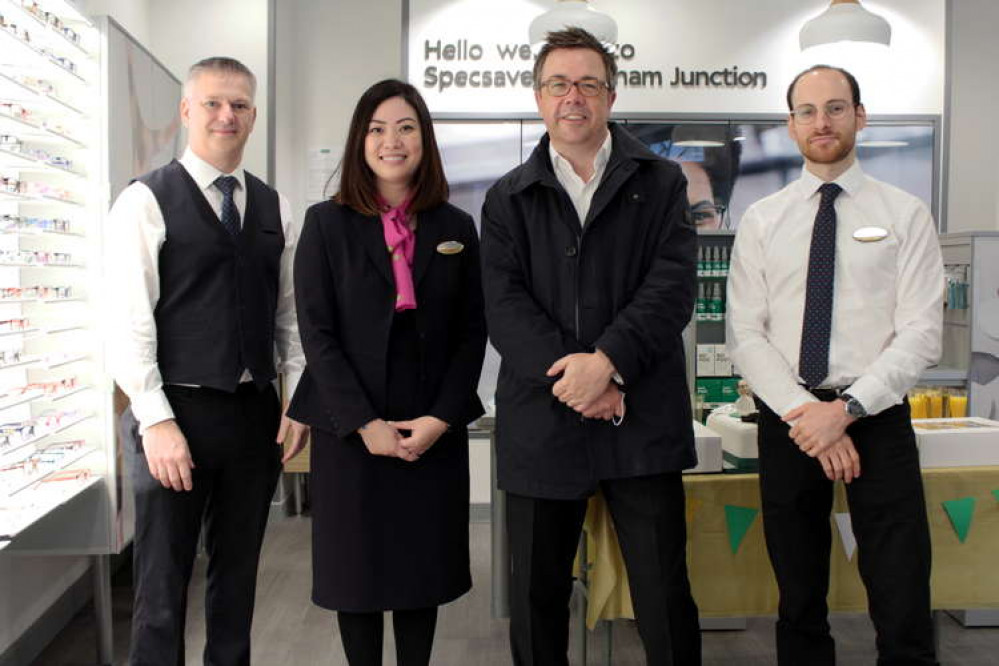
185	31
133	15
973	195
327	55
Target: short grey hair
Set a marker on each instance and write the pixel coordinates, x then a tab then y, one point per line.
220	65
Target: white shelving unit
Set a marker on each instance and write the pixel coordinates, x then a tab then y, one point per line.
49	217
60	488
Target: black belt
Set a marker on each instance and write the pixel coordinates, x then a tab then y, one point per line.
827	394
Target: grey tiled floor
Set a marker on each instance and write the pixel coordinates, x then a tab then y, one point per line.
289	630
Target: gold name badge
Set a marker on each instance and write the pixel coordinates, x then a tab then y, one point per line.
450	247
870	234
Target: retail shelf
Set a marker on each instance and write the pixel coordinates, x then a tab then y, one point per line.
12	90
59	361
23	331
14	264
64	464
64	329
24	398
56	397
37	199
25	57
944	377
7	451
33	360
39	394
35	231
36	132
23	162
16	521
43	32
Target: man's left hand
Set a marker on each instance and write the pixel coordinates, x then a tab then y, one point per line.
297	436
815	426
584	377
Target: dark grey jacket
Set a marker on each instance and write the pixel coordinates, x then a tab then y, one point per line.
624	283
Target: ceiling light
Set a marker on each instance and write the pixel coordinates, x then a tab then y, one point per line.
700	136
845	21
573	14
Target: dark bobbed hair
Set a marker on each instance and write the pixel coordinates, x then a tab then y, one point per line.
850	78
358	188
574	38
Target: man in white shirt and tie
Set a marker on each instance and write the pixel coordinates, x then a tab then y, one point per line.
199	297
835	309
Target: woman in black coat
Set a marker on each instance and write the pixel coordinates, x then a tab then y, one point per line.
390	312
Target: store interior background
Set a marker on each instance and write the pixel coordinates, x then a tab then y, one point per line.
326	52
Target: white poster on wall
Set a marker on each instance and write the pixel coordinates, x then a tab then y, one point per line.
710	56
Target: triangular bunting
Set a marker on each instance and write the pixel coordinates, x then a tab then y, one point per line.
693	506
960	512
739	520
846	536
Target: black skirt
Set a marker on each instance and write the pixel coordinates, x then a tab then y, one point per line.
389	534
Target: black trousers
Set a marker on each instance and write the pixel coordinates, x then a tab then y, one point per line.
888	514
650	520
237	464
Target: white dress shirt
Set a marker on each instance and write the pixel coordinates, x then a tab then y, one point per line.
135	233
888	295
580	192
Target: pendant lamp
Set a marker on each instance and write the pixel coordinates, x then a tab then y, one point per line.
845	20
573	14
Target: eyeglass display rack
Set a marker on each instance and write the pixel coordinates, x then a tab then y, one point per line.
60	487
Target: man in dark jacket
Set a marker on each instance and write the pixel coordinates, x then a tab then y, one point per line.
589	275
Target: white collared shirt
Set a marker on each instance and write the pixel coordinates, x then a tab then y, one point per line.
134	235
888	295
581	193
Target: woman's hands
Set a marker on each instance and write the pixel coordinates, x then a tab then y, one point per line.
423	432
383	438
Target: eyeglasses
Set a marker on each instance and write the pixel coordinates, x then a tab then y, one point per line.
558	87
806	113
709	215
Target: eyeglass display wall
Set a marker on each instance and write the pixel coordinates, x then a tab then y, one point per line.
52	403
729	164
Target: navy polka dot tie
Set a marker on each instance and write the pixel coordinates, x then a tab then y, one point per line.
230	214
813	362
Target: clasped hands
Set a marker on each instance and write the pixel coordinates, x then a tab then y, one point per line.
819	430
586	386
385	438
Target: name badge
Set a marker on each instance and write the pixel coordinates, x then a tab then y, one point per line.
450	247
870	234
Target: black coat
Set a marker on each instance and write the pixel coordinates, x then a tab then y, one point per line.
370	513
625	283
345	294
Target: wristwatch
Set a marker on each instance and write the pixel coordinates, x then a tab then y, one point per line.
853	406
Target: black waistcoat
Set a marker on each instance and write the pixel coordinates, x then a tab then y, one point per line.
218	294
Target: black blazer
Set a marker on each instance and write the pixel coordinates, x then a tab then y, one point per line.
345	295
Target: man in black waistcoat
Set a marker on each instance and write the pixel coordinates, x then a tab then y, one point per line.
588	260
199	267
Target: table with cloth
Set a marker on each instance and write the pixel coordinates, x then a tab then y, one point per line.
727	584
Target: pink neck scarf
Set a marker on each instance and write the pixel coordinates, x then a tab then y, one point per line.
401	243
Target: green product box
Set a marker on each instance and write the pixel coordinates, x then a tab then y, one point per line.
729	390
